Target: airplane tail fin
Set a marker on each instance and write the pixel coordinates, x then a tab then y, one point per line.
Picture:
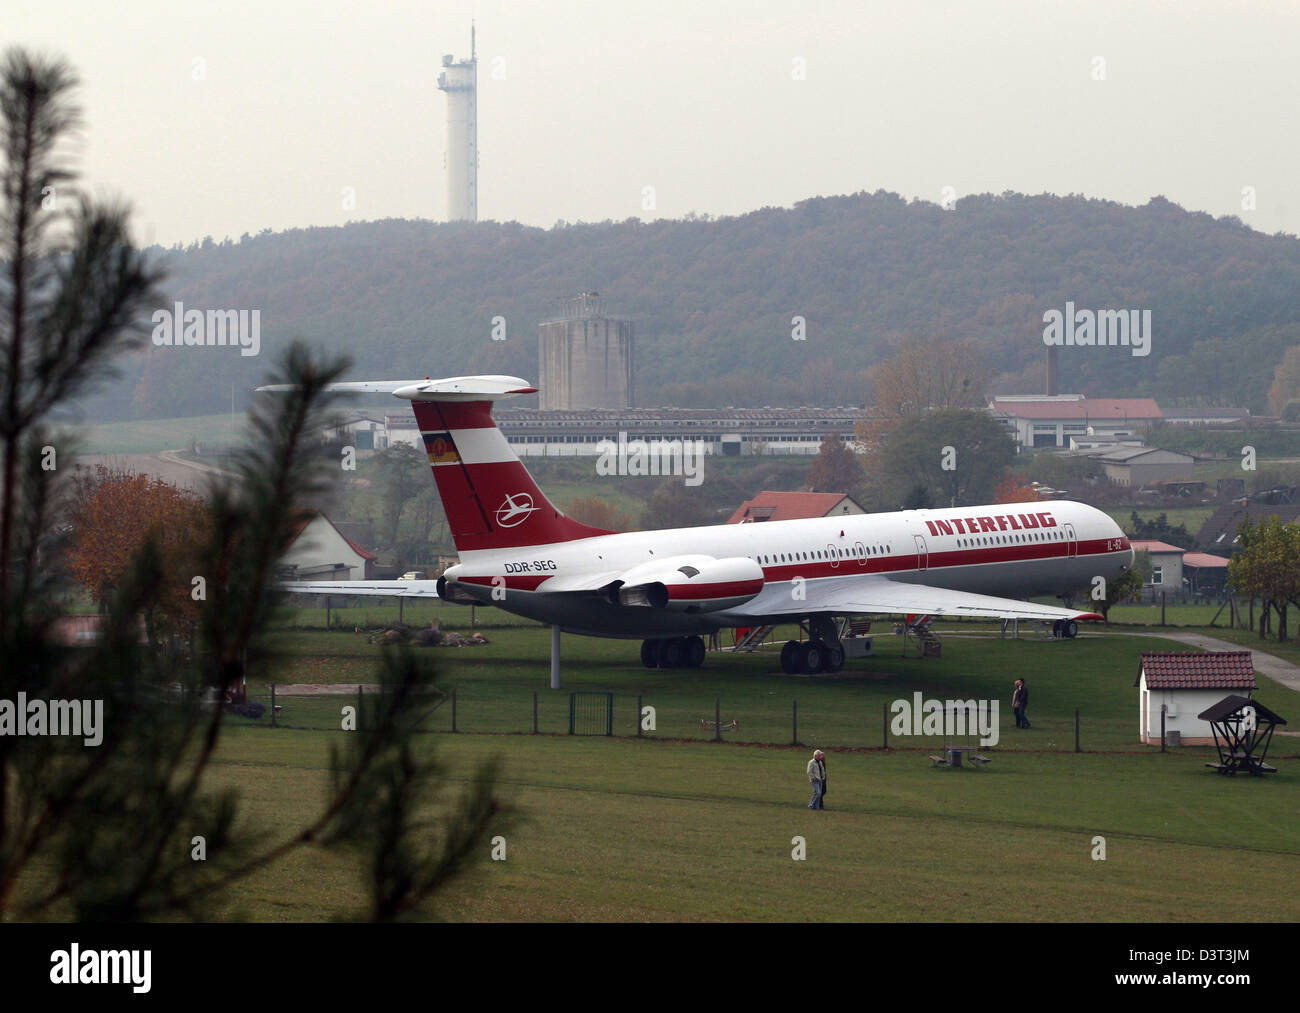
490	499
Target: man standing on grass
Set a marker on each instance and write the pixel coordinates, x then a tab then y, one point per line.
817	775
1020	701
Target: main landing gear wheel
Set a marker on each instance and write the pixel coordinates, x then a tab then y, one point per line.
650	653
671	654
789	657
832	660
680	652
694	652
1065	629
810	657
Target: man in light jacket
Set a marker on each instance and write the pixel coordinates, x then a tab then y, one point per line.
817	775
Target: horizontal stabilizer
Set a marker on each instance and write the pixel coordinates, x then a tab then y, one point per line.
452	388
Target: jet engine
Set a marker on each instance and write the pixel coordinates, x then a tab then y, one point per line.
691	583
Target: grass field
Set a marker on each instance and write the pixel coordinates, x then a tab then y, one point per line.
672	826
1194	517
623	829
152	435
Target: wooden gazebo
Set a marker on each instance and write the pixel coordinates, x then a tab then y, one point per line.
1243	730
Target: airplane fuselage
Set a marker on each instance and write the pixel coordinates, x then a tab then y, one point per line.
1021	549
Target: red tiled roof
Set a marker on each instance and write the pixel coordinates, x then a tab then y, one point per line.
1094	409
1203	559
1140	545
1197	670
786	506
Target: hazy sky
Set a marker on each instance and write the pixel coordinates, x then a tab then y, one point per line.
583	105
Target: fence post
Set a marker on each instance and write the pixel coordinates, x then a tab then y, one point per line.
273	705
359	708
1162	608
884	717
717	719
794	723
1076	731
1163	708
534	712
453	709
609	715
638	715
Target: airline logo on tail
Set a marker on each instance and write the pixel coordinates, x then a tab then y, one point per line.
514	510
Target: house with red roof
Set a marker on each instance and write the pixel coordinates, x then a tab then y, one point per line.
792	506
1175	569
1043	420
1185	683
1166	563
320	551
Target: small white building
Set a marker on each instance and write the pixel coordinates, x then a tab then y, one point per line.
1186	683
319	551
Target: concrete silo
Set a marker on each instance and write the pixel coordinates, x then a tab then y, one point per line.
584	357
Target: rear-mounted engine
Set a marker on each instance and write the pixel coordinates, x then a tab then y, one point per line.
689	584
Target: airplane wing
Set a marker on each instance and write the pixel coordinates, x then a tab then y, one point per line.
386	588
873	594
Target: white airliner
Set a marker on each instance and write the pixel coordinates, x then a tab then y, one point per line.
521	553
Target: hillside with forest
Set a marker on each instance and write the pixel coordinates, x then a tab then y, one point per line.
713	299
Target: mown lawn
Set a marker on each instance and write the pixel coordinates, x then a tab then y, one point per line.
628	830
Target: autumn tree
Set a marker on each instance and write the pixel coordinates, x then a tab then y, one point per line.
836	467
1015	489
935	373
599	513
118	513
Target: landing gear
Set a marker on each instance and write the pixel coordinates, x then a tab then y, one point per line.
650	653
679	652
821	652
671	654
1065	629
811	657
694	652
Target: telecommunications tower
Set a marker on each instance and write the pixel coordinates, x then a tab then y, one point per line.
459	79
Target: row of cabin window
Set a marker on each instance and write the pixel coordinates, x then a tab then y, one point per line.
796	557
1032	536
